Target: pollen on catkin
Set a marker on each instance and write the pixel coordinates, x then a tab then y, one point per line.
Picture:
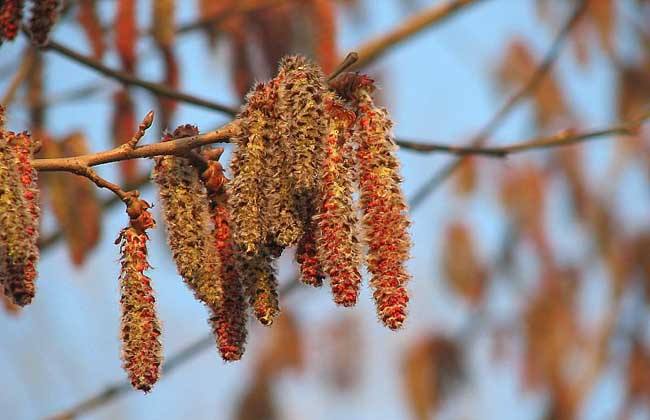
258	276
245	196
229	320
311	272
337	241
301	106
24	146
186	212
11	13
140	328
384	219
18	252
285	226
44	14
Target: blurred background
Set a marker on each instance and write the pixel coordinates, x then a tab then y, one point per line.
530	274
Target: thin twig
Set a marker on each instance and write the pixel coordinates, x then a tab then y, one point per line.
129	79
529	87
177	147
375	48
562	138
347	62
90	173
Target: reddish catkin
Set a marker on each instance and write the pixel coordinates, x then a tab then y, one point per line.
16	243
384	220
229	320
24	147
11	13
44	15
311	272
337	241
140	328
186	211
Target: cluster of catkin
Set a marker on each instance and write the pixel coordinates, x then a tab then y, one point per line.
19	216
43	15
304	151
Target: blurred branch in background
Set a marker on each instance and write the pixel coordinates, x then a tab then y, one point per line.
533	82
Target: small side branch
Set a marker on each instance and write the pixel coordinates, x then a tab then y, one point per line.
92	175
179	147
562	138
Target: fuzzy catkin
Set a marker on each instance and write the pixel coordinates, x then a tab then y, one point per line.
44	14
311	272
140	328
23	146
186	212
261	286
11	13
18	251
245	196
300	105
337	240
385	219
229	320
285	225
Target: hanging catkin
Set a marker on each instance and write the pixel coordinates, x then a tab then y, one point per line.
140	328
185	209
11	13
285	225
384	219
44	14
301	96
245	196
337	241
229	320
19	216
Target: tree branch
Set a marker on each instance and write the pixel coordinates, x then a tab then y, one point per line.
375	48
178	147
562	138
131	80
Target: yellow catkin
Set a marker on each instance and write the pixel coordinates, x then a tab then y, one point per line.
301	106
186	212
285	225
258	276
246	198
